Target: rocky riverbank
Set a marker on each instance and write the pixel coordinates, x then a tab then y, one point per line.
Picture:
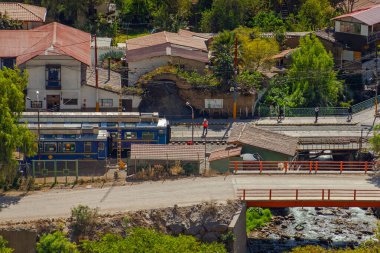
327	227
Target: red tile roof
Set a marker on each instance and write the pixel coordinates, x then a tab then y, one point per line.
360	4
224	153
368	16
23	12
167	152
184	44
50	39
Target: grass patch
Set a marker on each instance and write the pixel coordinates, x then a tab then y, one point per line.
121	38
257	217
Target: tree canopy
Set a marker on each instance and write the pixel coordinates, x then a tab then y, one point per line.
13	135
313	80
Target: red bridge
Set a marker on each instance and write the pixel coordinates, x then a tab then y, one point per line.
309	197
300	166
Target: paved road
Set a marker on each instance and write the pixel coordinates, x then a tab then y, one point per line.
57	203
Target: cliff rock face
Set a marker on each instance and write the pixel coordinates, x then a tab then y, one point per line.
167	94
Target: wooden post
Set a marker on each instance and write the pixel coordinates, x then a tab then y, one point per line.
354	194
328	194
270	194
316	166
244	194
311	166
286	167
296	194
236	167
323	194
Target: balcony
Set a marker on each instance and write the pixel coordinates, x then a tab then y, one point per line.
372	37
53	85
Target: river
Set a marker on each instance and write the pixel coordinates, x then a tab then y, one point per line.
327	227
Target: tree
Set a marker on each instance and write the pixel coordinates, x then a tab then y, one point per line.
222	53
315	14
8	24
12	134
312	76
56	242
171	15
3	246
346	6
268	22
375	140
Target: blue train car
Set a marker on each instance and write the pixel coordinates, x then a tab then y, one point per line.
70	142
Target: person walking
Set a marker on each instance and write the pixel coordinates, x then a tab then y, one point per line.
349	116
205	127
316	110
280	114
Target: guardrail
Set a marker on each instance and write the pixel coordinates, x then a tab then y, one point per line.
308	194
267	111
300	166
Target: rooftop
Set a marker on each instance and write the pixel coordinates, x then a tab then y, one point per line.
23	12
50	39
224	153
251	135
167	152
368	15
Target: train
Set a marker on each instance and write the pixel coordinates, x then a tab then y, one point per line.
93	135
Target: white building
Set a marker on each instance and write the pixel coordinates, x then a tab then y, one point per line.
57	59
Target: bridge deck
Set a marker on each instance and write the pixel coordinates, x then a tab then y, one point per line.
309	197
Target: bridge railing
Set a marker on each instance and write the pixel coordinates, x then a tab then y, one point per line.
300	166
307	194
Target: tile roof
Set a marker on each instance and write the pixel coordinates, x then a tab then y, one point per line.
23	12
369	15
182	44
113	83
167	152
224	153
360	4
50	39
250	135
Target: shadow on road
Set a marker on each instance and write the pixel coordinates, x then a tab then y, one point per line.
374	178
6	201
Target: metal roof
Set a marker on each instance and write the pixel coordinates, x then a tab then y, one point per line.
368	16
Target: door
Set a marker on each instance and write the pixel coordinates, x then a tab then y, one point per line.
53	102
102	150
127	105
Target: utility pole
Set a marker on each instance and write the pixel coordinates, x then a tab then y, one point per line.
96	75
235	77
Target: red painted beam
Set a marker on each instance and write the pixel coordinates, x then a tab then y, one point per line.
312	203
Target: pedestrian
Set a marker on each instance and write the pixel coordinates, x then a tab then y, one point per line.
316	110
205	126
280	114
349	116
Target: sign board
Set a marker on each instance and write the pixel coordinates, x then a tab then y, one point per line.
214	103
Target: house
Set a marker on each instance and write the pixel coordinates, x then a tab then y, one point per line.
187	50
57	59
219	159
269	145
358	34
31	16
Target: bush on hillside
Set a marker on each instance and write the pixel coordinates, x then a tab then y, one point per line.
257	217
56	242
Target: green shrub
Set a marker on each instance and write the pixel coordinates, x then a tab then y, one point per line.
257	217
147	240
83	220
3	246
56	242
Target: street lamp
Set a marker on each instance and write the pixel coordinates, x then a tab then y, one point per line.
192	122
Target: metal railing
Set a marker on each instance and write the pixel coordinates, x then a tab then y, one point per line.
308	194
267	111
300	166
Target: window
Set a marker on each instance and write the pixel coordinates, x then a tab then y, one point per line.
36	104
147	136
50	147
130	135
106	102
7	62
68	147
70	101
348	27
87	147
53	76
101	146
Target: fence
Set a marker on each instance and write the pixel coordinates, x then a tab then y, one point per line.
308	194
270	111
55	169
300	166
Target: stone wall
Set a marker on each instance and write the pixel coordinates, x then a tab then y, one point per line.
22	241
238	229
